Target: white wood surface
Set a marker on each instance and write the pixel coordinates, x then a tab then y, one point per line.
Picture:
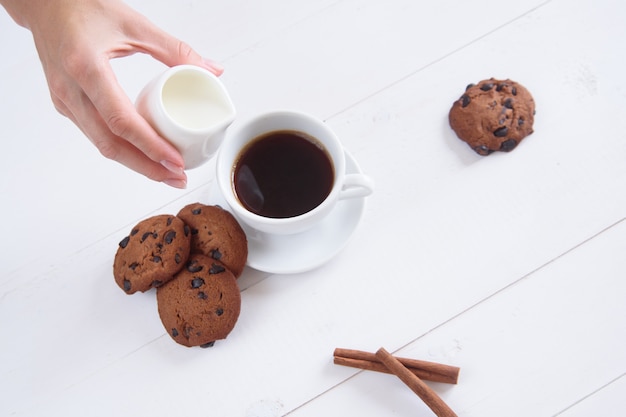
511	266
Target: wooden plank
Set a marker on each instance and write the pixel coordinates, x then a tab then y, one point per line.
608	400
535	348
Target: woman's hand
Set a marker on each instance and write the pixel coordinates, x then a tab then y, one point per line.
75	40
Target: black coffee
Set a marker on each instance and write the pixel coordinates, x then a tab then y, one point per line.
283	174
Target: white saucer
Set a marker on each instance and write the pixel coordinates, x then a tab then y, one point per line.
289	254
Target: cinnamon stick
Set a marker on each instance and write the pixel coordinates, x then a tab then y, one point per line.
430	397
430	371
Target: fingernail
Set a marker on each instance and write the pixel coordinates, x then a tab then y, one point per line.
176	183
213	66
173	168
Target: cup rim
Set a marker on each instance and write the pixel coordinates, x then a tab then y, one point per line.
176	69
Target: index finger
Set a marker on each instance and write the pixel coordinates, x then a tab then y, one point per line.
150	39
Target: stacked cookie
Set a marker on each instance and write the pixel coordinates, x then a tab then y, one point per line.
193	260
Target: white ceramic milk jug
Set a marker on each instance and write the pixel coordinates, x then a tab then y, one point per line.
190	107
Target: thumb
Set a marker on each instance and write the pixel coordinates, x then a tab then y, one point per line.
170	50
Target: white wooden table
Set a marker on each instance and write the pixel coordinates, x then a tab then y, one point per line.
511	266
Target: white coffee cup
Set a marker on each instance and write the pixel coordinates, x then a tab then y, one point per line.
190	107
236	143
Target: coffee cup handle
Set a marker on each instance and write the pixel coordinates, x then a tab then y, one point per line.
356	185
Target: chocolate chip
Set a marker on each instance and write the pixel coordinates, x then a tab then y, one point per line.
197	282
177	258
501	132
193	267
219	312
169	221
133	266
186	230
196	211
465	100
520	121
216	254
486	86
156	259
148	234
508	103
208	345
500	87
202	296
134	232
174	332
127	285
216	269
508	145
124	242
514	91
194	232
469	86
482	150
170	236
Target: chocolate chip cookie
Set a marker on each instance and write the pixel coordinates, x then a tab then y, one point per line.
154	251
201	304
216	233
493	115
